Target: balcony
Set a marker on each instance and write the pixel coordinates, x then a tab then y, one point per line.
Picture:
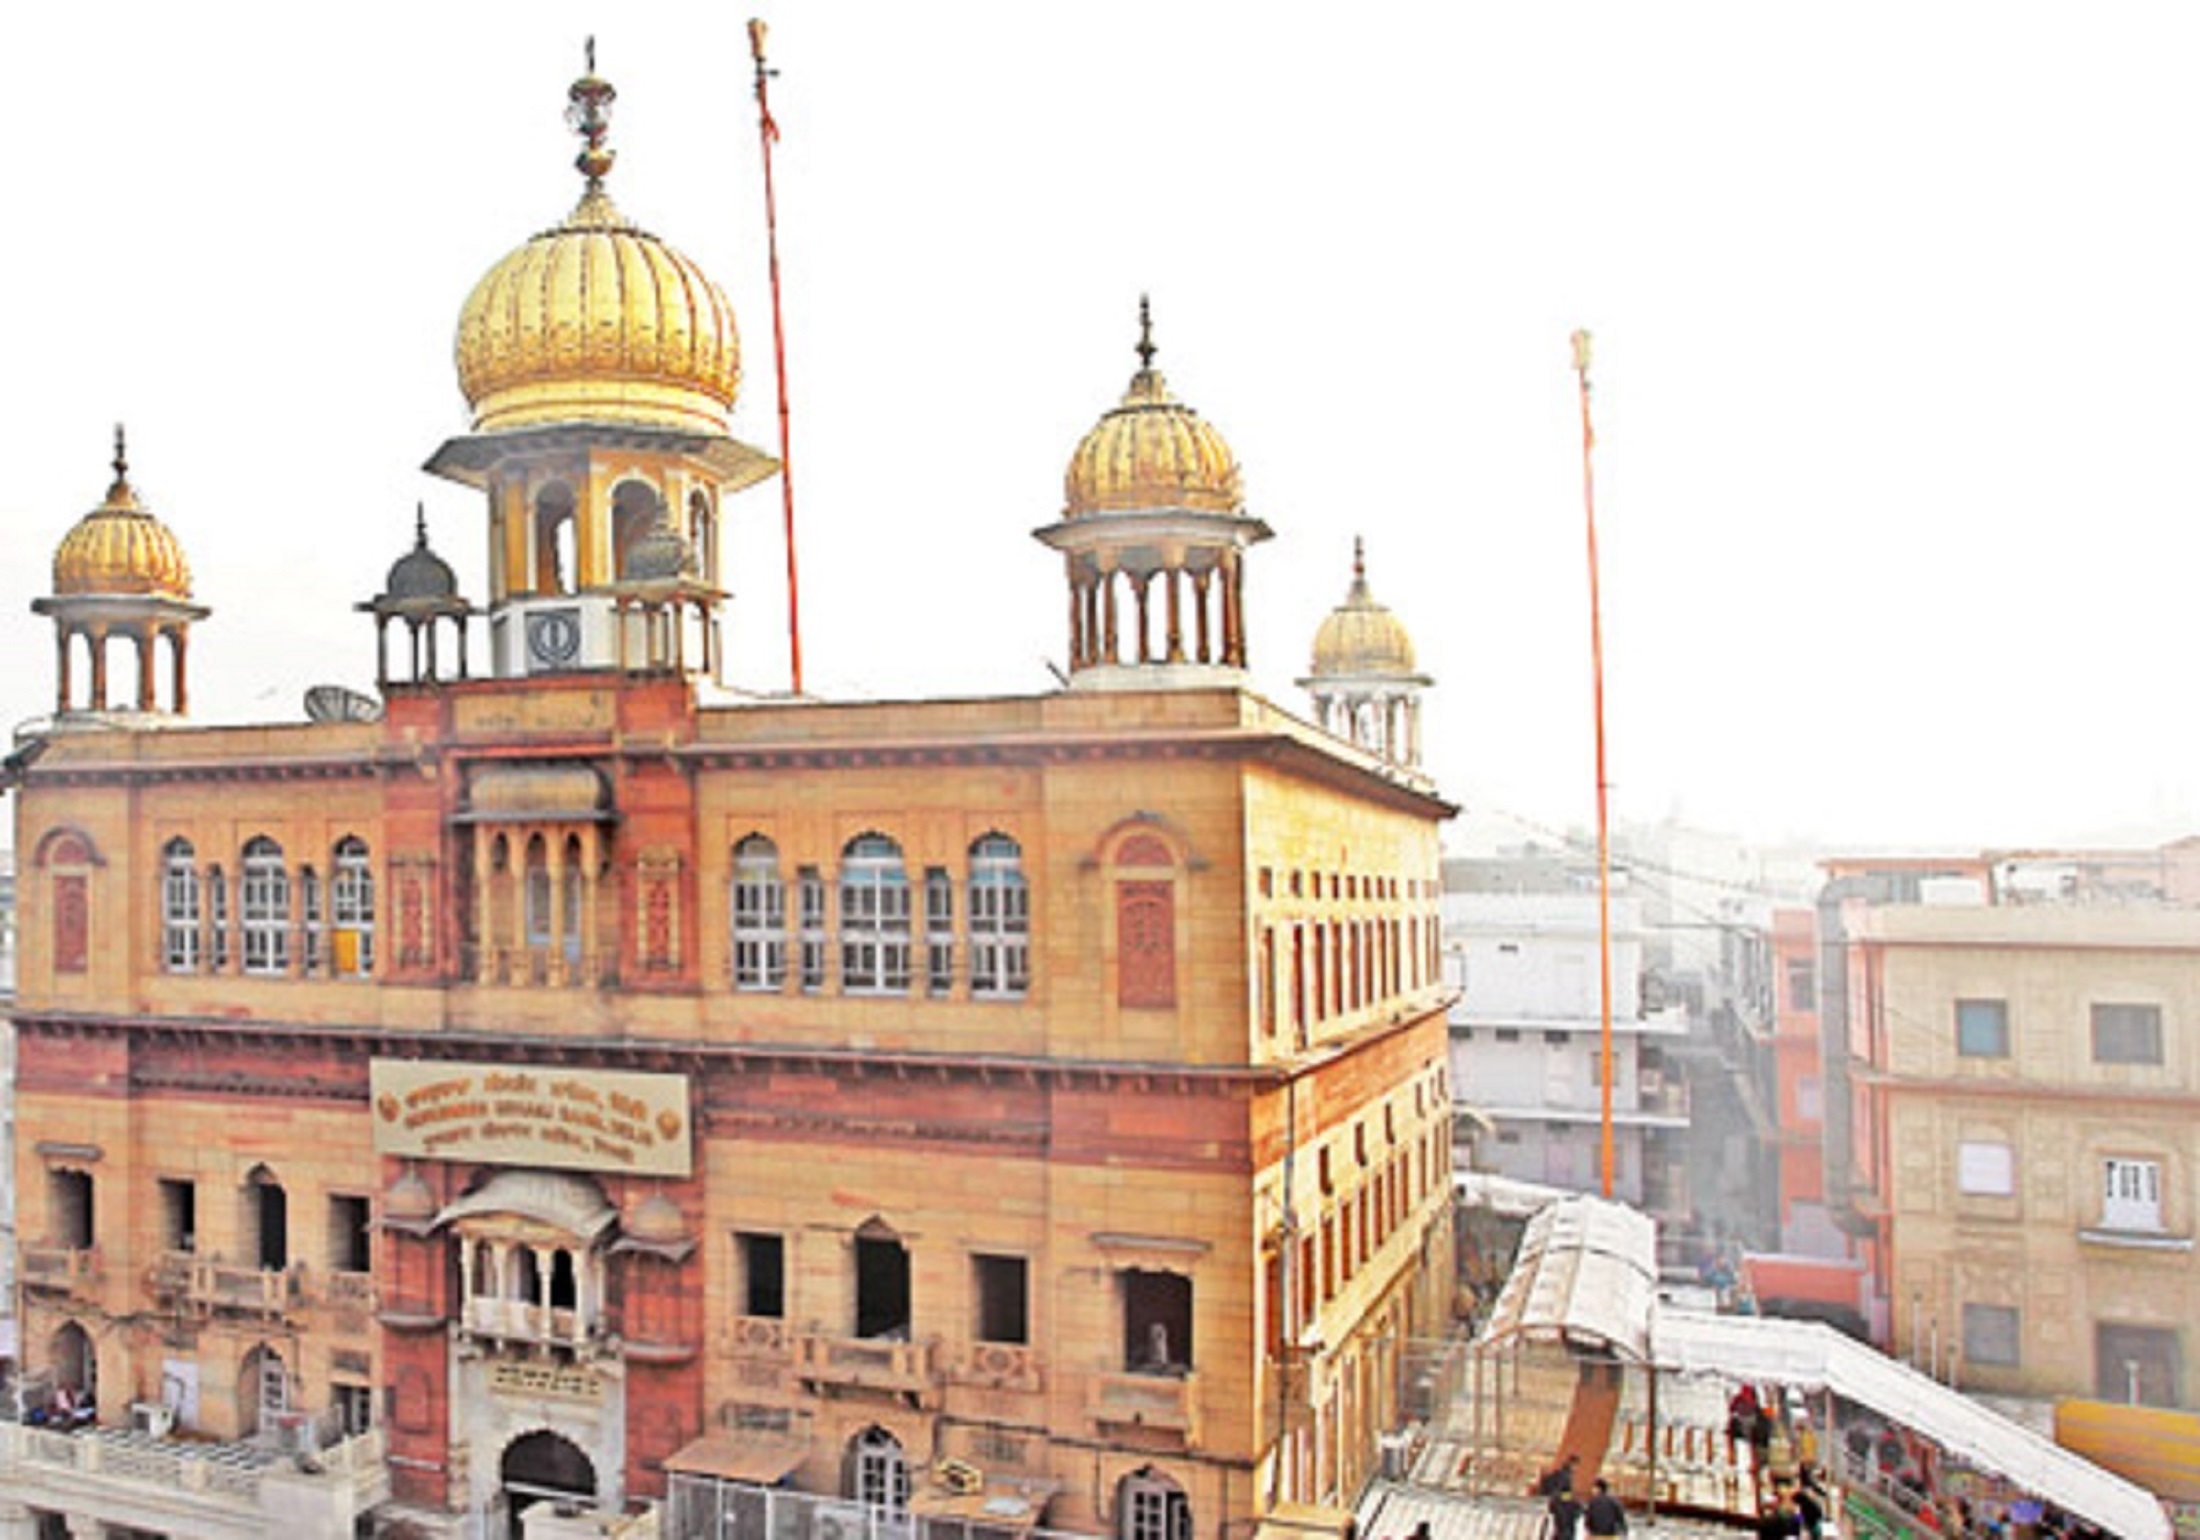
522	1321
1135	1399
70	1272
828	1364
210	1284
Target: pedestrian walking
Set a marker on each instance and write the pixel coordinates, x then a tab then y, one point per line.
1604	1515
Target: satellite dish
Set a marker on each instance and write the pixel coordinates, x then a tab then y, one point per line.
335	703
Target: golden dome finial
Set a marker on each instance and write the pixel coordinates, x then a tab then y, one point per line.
121	496
1146	349
588	111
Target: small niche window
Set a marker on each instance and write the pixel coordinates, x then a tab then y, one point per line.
1004	1298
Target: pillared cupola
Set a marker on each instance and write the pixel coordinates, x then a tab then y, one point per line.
601	366
1364	683
1153	534
421	594
120	575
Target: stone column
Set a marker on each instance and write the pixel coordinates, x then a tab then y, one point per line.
484	911
144	640
589	867
61	669
1174	578
176	642
98	637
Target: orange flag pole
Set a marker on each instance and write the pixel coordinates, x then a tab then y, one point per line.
1604	836
768	131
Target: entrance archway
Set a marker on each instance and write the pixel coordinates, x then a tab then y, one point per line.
544	1467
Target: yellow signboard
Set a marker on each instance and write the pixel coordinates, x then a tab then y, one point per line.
505	1115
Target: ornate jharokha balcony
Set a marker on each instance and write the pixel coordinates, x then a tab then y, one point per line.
72	1272
210	1284
827	1363
521	1321
1131	1398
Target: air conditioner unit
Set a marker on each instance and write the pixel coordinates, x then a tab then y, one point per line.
152	1417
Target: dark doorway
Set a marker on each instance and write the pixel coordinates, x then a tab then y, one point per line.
882	1287
544	1467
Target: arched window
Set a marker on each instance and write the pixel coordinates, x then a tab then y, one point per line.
703	535
878	1471
180	914
265	908
759	916
554	540
351	906
874	916
1152	1507
634	506
1000	919
539	911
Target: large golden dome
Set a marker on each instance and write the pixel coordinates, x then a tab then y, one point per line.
1360	638
1151	453
597	321
120	548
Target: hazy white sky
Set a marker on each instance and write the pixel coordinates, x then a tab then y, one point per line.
1895	309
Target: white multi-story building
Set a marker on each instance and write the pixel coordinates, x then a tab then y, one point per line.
1521	945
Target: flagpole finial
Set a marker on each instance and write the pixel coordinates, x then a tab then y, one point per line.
1146	349
757	31
588	113
1581	350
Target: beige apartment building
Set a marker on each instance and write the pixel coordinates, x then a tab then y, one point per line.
2026	1136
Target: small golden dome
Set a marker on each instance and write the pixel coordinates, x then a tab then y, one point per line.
1151	453
1360	638
597	321
120	548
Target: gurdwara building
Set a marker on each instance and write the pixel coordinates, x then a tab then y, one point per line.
555	1087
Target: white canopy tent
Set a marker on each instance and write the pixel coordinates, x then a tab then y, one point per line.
1813	1356
1587	1272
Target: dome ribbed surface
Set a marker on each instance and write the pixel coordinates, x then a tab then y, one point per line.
1152	452
120	548
597	321
1360	637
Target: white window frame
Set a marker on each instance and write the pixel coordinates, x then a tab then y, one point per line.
217	916
939	930
181	912
2131	1194
1000	920
874	917
264	902
759	916
882	1471
1986	1168
810	902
